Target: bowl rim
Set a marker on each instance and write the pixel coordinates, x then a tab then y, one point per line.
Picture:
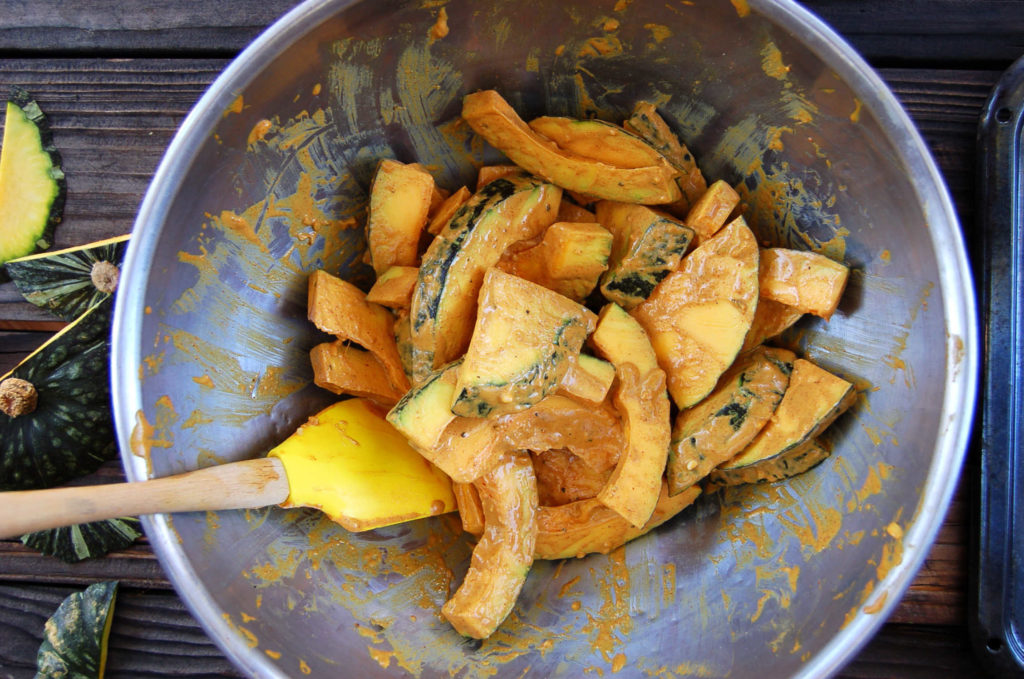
961	348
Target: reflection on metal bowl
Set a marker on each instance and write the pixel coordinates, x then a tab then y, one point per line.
266	182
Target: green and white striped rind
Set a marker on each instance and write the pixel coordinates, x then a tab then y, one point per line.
85	540
75	636
61	281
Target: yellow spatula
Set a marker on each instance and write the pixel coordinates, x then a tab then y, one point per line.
346	461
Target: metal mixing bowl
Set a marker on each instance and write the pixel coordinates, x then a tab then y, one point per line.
255	192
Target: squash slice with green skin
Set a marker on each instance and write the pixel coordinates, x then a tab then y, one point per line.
85	540
729	418
67	282
55	421
32	185
786	446
598	140
502	558
75	636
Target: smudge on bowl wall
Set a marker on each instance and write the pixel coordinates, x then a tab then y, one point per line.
278	189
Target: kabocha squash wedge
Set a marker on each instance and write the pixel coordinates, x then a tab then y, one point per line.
86	540
598	140
32	185
492	118
804	280
447	209
55	421
488	173
586	527
394	287
711	211
648	124
425	411
443	306
416	364
720	426
75	636
524	338
770	319
471	512
346	369
340	308
699	315
785	447
569	259
399	205
647	245
588	379
503	556
67	282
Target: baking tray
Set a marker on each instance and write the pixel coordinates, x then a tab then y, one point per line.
996	603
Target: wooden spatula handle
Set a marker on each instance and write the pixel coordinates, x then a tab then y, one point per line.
237	485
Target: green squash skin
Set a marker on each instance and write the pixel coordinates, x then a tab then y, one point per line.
44	239
70	433
75	636
61	282
72	544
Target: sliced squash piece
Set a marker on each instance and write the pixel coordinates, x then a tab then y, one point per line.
770	319
594	435
492	118
569	259
55	421
67	282
400	197
698	316
443	306
586	527
502	558
804	280
32	185
597	140
521	346
785	447
342	368
563	478
394	287
569	211
468	448
72	544
488	173
447	210
340	308
720	426
471	512
75	637
621	339
424	412
646	246
647	123
588	379
712	210
416	364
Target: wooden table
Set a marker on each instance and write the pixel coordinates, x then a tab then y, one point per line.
117	78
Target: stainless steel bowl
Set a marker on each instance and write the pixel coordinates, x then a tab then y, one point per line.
210	336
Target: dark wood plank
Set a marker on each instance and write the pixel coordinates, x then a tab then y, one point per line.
916	652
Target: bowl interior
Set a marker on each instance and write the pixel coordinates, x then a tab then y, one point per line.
267	182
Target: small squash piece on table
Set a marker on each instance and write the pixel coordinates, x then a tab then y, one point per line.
598	140
524	338
569	259
67	282
699	315
586	527
642	402
75	636
72	544
503	556
493	118
55	421
807	281
647	245
424	412
394	287
400	197
770	319
32	185
339	308
647	123
712	210
588	379
720	426
343	368
446	210
785	446
444	302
